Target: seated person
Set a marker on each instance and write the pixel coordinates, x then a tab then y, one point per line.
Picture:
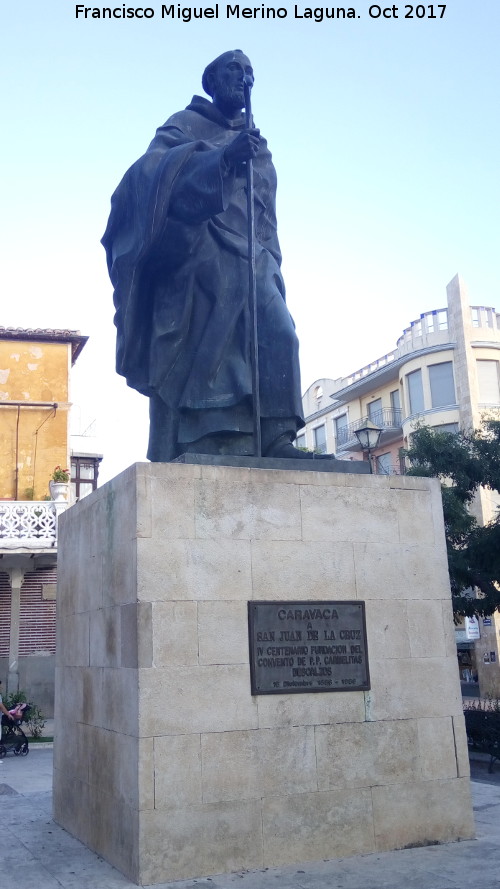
18	711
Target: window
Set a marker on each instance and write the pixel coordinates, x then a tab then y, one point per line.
396	407
487	377
84	472
340	427
476	318
415	392
300	441
384	464
395	400
442	384
447	427
375	411
320	439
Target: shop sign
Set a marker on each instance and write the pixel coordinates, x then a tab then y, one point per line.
472	628
486	621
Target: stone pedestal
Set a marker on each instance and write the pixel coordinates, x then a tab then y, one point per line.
164	762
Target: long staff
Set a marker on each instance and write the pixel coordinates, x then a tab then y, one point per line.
252	285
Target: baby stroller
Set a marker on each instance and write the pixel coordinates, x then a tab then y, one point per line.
13	737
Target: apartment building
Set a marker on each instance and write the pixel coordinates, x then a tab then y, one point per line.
445	372
35	406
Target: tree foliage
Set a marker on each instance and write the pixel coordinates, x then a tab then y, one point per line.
464	461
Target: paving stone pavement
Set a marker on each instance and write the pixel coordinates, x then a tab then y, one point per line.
35	853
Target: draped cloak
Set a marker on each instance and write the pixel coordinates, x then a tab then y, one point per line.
177	253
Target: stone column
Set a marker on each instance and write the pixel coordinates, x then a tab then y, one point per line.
462	332
16	575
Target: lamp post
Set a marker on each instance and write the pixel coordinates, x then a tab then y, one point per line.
368	437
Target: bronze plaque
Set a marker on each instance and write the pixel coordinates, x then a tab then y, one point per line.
303	647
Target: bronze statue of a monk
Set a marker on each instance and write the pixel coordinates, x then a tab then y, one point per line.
177	252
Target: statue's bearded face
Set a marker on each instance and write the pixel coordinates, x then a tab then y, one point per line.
228	82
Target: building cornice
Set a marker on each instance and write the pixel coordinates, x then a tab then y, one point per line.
46	335
485	344
322	413
384	374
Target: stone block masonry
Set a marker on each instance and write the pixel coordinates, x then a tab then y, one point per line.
165	764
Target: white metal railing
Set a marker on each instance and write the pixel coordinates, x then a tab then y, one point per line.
28	523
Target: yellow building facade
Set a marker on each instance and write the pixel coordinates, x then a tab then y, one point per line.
34	403
35	370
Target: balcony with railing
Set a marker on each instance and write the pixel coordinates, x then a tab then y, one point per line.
424	331
388	419
378	364
29	525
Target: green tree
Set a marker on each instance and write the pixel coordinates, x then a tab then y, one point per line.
463	462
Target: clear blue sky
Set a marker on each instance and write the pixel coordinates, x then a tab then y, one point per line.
385	133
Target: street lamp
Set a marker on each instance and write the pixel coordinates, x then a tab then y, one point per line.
368	437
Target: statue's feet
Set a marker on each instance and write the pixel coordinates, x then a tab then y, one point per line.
288	451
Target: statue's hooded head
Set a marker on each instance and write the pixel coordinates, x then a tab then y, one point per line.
223	81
